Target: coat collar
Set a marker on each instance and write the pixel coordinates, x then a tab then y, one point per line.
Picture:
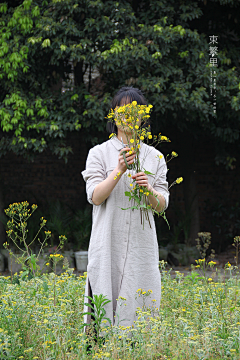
118	144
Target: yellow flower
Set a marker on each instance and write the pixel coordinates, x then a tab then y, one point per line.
47	264
115	177
131	184
141	137
212	263
164	138
130	152
179	180
136	127
174	154
209	279
132	140
141	190
134	103
129	175
160	156
119	173
150	136
138	146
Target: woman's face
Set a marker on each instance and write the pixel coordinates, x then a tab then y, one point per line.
122	127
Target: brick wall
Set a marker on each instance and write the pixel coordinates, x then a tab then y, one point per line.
50	178
47	177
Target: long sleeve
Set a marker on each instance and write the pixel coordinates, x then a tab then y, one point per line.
160	183
94	173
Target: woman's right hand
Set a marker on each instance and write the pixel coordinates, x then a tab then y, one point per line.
129	157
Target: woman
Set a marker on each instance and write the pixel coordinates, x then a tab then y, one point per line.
123	256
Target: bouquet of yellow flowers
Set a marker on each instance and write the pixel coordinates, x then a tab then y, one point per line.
132	119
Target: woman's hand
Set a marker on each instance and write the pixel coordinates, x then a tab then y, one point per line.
129	157
141	179
156	200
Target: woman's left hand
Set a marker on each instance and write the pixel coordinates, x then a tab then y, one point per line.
141	179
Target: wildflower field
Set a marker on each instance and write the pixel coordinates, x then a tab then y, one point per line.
198	319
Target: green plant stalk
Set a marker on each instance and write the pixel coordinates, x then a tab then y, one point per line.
220	300
236	281
11	266
124	157
26	247
36	235
98	301
225	288
54	285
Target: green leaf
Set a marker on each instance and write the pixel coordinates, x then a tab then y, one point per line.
45	286
148	172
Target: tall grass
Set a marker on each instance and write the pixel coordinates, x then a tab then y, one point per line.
199	318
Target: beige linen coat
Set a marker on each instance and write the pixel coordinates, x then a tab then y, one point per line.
123	256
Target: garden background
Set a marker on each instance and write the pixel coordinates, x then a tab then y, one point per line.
61	61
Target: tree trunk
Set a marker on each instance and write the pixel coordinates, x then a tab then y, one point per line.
78	73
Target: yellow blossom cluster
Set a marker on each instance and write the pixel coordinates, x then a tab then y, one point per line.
179	180
56	256
132	120
118	174
189	319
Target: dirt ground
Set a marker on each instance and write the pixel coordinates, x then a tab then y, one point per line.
221	259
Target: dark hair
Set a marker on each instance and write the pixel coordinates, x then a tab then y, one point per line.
129	94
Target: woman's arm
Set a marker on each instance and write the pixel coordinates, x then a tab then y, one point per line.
153	201
104	189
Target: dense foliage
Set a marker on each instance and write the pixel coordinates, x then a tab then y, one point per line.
162	47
